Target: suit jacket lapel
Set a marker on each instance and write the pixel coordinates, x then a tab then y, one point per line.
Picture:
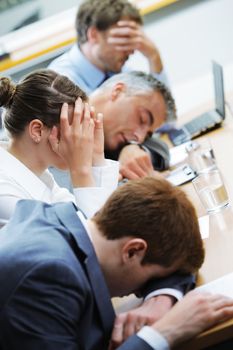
101	293
67	214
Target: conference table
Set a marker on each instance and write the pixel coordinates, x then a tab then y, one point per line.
219	245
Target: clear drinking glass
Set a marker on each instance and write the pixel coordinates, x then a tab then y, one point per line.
211	190
201	156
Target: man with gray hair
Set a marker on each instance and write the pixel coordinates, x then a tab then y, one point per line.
134	104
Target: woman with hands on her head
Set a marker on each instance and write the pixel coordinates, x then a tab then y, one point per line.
50	123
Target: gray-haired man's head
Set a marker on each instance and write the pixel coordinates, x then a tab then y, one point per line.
134	105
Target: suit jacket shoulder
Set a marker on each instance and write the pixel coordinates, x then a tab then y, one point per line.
55	295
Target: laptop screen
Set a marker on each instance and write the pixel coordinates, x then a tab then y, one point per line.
219	89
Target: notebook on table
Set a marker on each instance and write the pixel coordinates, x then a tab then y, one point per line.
207	121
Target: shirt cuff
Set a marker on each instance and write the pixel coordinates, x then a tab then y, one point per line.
91	199
153	338
144	148
168	291
106	175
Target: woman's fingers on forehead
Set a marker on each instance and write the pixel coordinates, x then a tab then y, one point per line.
64	109
87	115
64	115
92	112
82	110
87	108
77	112
79	105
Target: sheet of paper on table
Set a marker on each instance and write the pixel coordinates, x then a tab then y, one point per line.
222	285
204	226
178	154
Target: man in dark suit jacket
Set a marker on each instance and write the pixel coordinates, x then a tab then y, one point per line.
58	271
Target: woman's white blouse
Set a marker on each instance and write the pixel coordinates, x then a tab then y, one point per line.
19	182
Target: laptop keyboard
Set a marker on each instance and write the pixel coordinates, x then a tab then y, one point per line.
178	136
201	123
196	127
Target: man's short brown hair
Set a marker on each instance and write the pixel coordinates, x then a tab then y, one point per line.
159	213
102	14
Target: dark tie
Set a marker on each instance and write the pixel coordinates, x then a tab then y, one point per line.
106	76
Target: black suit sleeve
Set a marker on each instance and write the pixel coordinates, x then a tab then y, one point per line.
180	282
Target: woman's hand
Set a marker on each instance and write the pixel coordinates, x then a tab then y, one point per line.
98	152
74	142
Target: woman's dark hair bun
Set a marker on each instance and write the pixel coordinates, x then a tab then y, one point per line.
7	91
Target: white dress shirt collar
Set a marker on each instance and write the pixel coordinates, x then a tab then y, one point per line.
37	187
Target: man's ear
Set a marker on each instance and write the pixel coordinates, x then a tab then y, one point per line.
134	250
117	90
93	35
35	130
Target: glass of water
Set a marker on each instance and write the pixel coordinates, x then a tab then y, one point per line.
201	155
211	190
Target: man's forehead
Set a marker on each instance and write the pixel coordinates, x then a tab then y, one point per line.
124	19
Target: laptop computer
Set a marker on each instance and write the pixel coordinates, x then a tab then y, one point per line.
207	121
